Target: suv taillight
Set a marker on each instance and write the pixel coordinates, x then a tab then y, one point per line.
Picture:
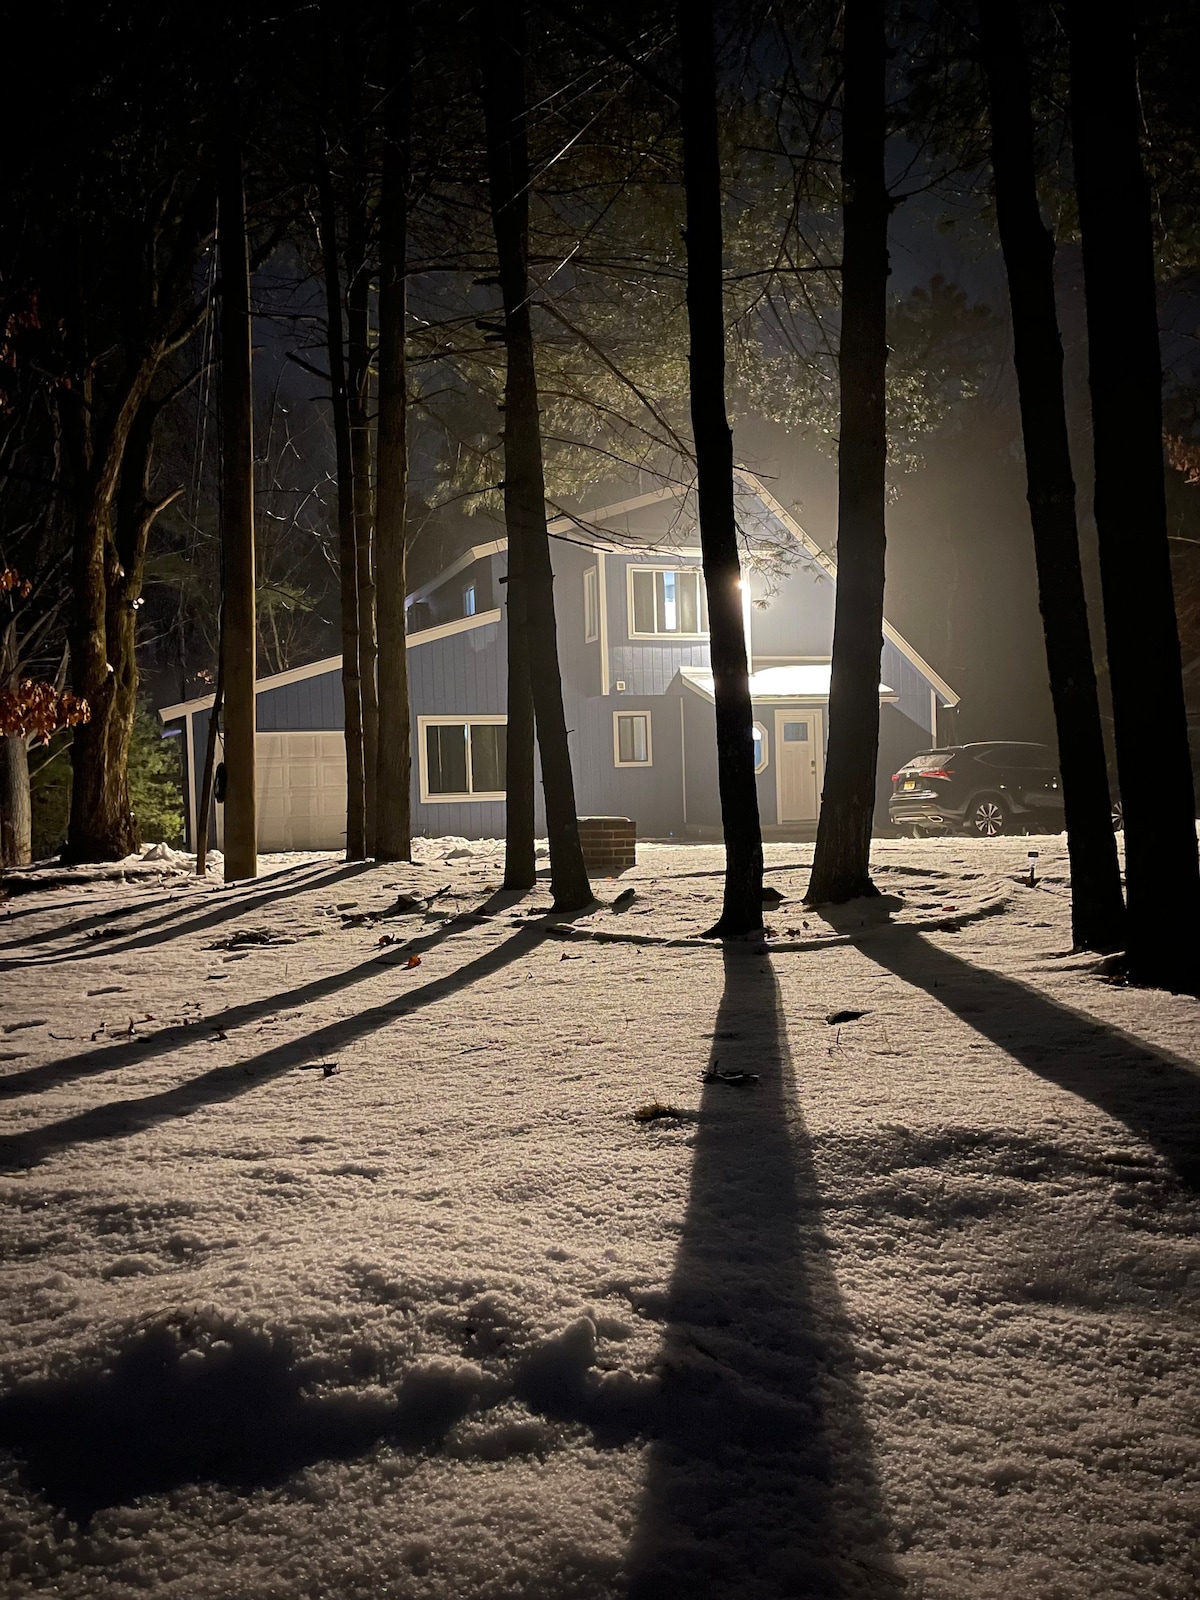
936	772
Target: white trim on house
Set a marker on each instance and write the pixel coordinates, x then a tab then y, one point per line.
446	630
809	683
464	719
556	528
759	766
477	552
317	669
189	778
683	757
829	565
591	604
605	662
585	520
649	761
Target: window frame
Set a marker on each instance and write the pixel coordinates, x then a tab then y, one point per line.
663	566
591	604
489	719
640	765
766	748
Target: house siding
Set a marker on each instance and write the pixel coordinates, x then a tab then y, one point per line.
465	674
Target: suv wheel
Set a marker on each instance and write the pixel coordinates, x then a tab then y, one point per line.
988	817
1118	816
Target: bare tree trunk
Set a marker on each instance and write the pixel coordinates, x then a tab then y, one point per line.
204	799
520	861
358	396
741	911
1097	909
347	545
393	820
16	817
237	527
503	41
1162	875
842	859
101	827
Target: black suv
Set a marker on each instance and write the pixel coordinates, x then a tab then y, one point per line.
986	789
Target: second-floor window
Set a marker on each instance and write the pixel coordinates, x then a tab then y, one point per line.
667	601
469	600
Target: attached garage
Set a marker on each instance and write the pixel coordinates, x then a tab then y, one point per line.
301	782
301	791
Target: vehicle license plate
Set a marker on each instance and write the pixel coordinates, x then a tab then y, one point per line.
910	783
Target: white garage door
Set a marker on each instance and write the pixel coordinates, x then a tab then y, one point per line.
301	779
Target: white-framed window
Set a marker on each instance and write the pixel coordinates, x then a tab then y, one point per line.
462	757
667	601
761	748
469	603
631	739
591	605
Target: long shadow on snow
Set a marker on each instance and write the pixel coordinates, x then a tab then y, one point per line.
65	930
244	899
169	1411
122	1117
111	1057
761	1481
1154	1093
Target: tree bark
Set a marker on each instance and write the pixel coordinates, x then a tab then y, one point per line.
347	545
842	859
237	527
101	826
1162	874
16	816
1097	909
358	395
741	911
504	47
205	797
393	821
520	860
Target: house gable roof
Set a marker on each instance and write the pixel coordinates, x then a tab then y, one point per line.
756	505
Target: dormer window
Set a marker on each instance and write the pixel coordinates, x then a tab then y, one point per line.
667	601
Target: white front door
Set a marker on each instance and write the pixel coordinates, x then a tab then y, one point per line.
799	758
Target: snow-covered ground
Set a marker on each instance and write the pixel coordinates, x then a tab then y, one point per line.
338	1261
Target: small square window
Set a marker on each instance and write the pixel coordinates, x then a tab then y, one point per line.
631	739
795	733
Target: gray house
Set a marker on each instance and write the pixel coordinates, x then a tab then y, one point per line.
632	629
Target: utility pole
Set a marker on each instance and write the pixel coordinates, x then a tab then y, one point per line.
237	523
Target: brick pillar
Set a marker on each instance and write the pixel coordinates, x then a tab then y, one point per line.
609	844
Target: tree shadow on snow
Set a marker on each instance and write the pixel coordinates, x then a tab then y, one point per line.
235	900
233	1410
112	1055
120	1118
1154	1093
761	1481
